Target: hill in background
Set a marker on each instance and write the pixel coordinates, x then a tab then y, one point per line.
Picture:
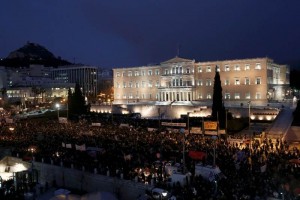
32	53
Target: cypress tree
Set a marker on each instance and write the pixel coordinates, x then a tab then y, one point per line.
70	103
76	102
218	109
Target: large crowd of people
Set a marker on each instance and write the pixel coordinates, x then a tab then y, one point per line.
256	170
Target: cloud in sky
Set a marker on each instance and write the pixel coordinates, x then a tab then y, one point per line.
120	33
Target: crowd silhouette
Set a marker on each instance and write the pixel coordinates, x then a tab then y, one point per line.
257	170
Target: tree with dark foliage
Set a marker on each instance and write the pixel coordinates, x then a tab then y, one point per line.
76	102
218	109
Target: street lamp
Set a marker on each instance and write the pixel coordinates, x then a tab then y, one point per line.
214	137
57	106
188	124
226	112
183	148
249	104
112	113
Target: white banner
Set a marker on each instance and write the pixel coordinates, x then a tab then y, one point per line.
196	130
63	120
173	124
211	133
124	125
96	124
151	129
80	147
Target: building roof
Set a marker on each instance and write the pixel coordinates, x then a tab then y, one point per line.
177	60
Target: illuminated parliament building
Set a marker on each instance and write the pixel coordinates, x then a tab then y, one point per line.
187	82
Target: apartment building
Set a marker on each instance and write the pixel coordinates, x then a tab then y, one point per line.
258	80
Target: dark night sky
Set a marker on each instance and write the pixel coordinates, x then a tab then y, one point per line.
117	33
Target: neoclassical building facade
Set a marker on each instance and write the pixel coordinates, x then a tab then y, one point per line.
258	80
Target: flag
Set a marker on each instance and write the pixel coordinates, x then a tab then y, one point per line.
197	155
63	144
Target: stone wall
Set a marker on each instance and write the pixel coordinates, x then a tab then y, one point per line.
82	180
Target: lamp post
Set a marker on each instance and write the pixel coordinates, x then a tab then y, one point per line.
171	114
249	104
183	148
214	137
57	106
226	112
112	113
188	122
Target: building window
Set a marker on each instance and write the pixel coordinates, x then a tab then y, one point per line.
218	68
208	96
247	67
143	84
227	82
227	68
130	73
136	73
124	85
124	96
247	95
157	84
150	84
237	68
237	96
208	82
166	71
199	83
247	81
208	69
258	66
199	69
130	96
258	81
123	74
157	72
118	74
227	95
188	70
150	73
237	81
143	96
257	96
143	73
130	85
118	85
137	85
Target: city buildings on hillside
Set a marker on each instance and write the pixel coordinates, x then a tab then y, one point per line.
43	84
258	80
